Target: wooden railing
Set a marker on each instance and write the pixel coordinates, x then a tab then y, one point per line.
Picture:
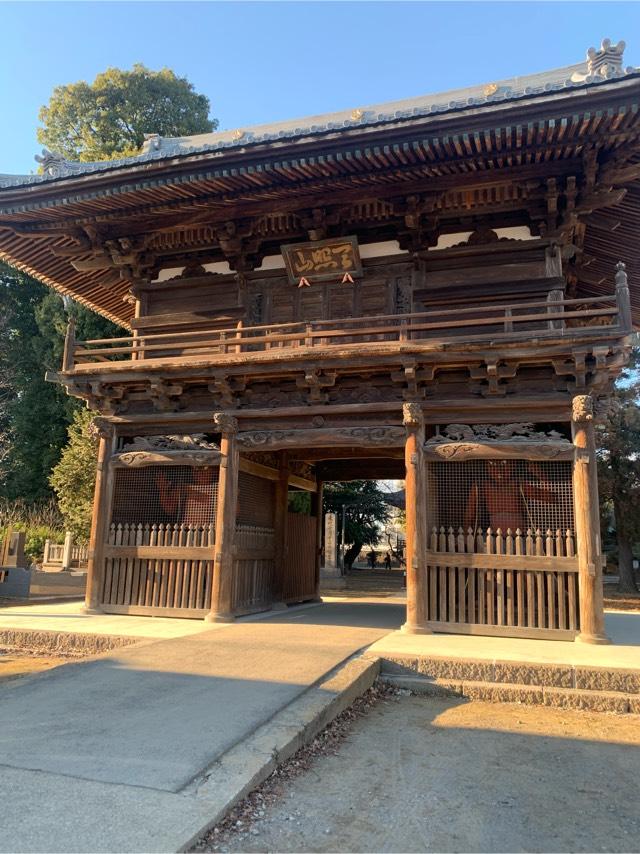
158	568
514	583
517	321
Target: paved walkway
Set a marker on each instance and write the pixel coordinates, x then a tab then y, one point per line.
68	617
95	754
623	628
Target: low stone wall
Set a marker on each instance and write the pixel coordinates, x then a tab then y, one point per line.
70	644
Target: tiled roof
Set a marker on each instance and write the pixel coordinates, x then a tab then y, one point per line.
601	66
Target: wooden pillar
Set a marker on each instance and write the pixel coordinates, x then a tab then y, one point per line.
316	509
226	510
623	298
416	513
585	499
99	518
280	528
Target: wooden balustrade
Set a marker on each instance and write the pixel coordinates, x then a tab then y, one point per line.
533	541
153	567
522	583
542	318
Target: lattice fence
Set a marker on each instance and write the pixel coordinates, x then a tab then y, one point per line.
502	546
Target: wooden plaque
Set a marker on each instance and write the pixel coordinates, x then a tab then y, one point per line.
322	260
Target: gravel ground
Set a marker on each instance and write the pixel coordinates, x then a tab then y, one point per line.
401	773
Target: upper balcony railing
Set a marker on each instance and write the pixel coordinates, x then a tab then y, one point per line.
491	324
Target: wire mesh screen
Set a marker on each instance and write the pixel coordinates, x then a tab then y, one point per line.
256	501
173	495
500	494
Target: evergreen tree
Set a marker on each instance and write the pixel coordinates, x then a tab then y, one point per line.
97	121
366	511
34	413
73	477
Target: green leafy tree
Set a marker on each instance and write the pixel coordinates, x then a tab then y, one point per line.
102	120
109	118
619	469
34	413
366	512
73	477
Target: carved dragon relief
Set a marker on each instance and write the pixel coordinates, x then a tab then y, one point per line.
465	441
191	450
174	442
335	436
515	432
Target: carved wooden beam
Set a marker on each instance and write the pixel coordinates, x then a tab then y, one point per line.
323	437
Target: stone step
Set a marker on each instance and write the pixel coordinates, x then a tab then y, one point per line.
542	674
614	702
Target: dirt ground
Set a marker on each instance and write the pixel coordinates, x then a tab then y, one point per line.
621	601
420	774
14	664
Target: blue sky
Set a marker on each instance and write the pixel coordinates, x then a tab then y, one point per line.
266	61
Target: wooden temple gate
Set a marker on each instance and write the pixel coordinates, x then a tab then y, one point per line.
421	290
159	550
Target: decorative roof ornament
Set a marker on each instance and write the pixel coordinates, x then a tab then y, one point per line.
238	134
607	61
604	63
357	114
55	166
152	142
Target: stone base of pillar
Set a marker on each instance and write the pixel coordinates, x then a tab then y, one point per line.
279	606
219	618
87	609
595	639
415	630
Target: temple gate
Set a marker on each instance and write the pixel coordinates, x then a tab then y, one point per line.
442	291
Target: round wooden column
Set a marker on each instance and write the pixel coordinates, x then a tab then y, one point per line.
281	510
99	519
416	514
585	499
226	510
316	509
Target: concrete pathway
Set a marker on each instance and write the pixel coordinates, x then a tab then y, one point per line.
68	617
94	754
622	627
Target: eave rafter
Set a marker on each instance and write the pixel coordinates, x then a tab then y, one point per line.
550	173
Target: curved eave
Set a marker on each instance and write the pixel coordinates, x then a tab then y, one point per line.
75	293
172	169
372	162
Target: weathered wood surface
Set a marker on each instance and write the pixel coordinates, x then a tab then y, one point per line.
161	567
99	519
501	321
253	569
222	587
418	593
585	498
520	583
299	575
280	522
476	450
